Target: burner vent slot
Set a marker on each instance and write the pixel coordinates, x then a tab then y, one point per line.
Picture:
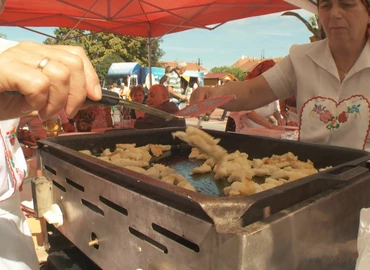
92	207
149	240
175	237
59	186
75	185
114	206
50	170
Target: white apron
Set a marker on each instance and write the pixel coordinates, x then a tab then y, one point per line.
17	251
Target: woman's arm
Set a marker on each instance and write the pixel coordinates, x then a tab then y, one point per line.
251	94
255	117
278	118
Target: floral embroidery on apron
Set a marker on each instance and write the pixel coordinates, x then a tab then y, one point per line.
9	140
344	122
333	121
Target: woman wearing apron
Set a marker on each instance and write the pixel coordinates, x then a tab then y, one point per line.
39	73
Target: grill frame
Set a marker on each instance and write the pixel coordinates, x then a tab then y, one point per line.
225	213
214	232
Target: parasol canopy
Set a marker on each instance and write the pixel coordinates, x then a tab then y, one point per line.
145	18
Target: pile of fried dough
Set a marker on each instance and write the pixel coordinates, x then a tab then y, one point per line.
235	168
137	159
238	170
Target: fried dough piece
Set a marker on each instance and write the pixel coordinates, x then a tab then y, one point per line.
128	162
265	170
136	169
186	185
204	168
272	181
106	152
297	164
194	153
86	152
158	149
297	175
257	162
281	174
203	141
169	179
244	187
152	172
125	146
326	168
104	158
202	157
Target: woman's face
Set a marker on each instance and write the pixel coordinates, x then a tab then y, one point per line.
138	97
344	20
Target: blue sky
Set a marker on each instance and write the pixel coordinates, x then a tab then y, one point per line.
271	35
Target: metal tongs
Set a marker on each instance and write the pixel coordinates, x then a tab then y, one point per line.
110	98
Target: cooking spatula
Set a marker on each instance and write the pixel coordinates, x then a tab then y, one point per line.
110	98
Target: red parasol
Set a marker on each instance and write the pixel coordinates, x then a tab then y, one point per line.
146	18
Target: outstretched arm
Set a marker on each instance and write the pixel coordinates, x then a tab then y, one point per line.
249	94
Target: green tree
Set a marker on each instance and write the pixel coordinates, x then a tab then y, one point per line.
237	72
103	66
100	45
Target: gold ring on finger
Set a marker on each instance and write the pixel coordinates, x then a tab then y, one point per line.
43	63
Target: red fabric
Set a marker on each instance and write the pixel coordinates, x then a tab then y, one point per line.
260	68
152	18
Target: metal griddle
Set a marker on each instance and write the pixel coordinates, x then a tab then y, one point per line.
204	230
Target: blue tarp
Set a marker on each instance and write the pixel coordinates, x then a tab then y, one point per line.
129	68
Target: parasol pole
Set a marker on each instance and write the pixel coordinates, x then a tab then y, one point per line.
149	56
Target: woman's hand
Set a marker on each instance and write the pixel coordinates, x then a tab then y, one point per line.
49	77
202	93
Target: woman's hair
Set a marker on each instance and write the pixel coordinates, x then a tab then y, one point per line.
137	88
260	68
168	69
367	5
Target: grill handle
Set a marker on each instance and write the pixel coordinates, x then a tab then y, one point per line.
344	172
249	209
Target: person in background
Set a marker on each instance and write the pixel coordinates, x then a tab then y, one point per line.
137	94
176	87
164	79
122	91
158	98
262	117
50	78
102	117
110	88
288	109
